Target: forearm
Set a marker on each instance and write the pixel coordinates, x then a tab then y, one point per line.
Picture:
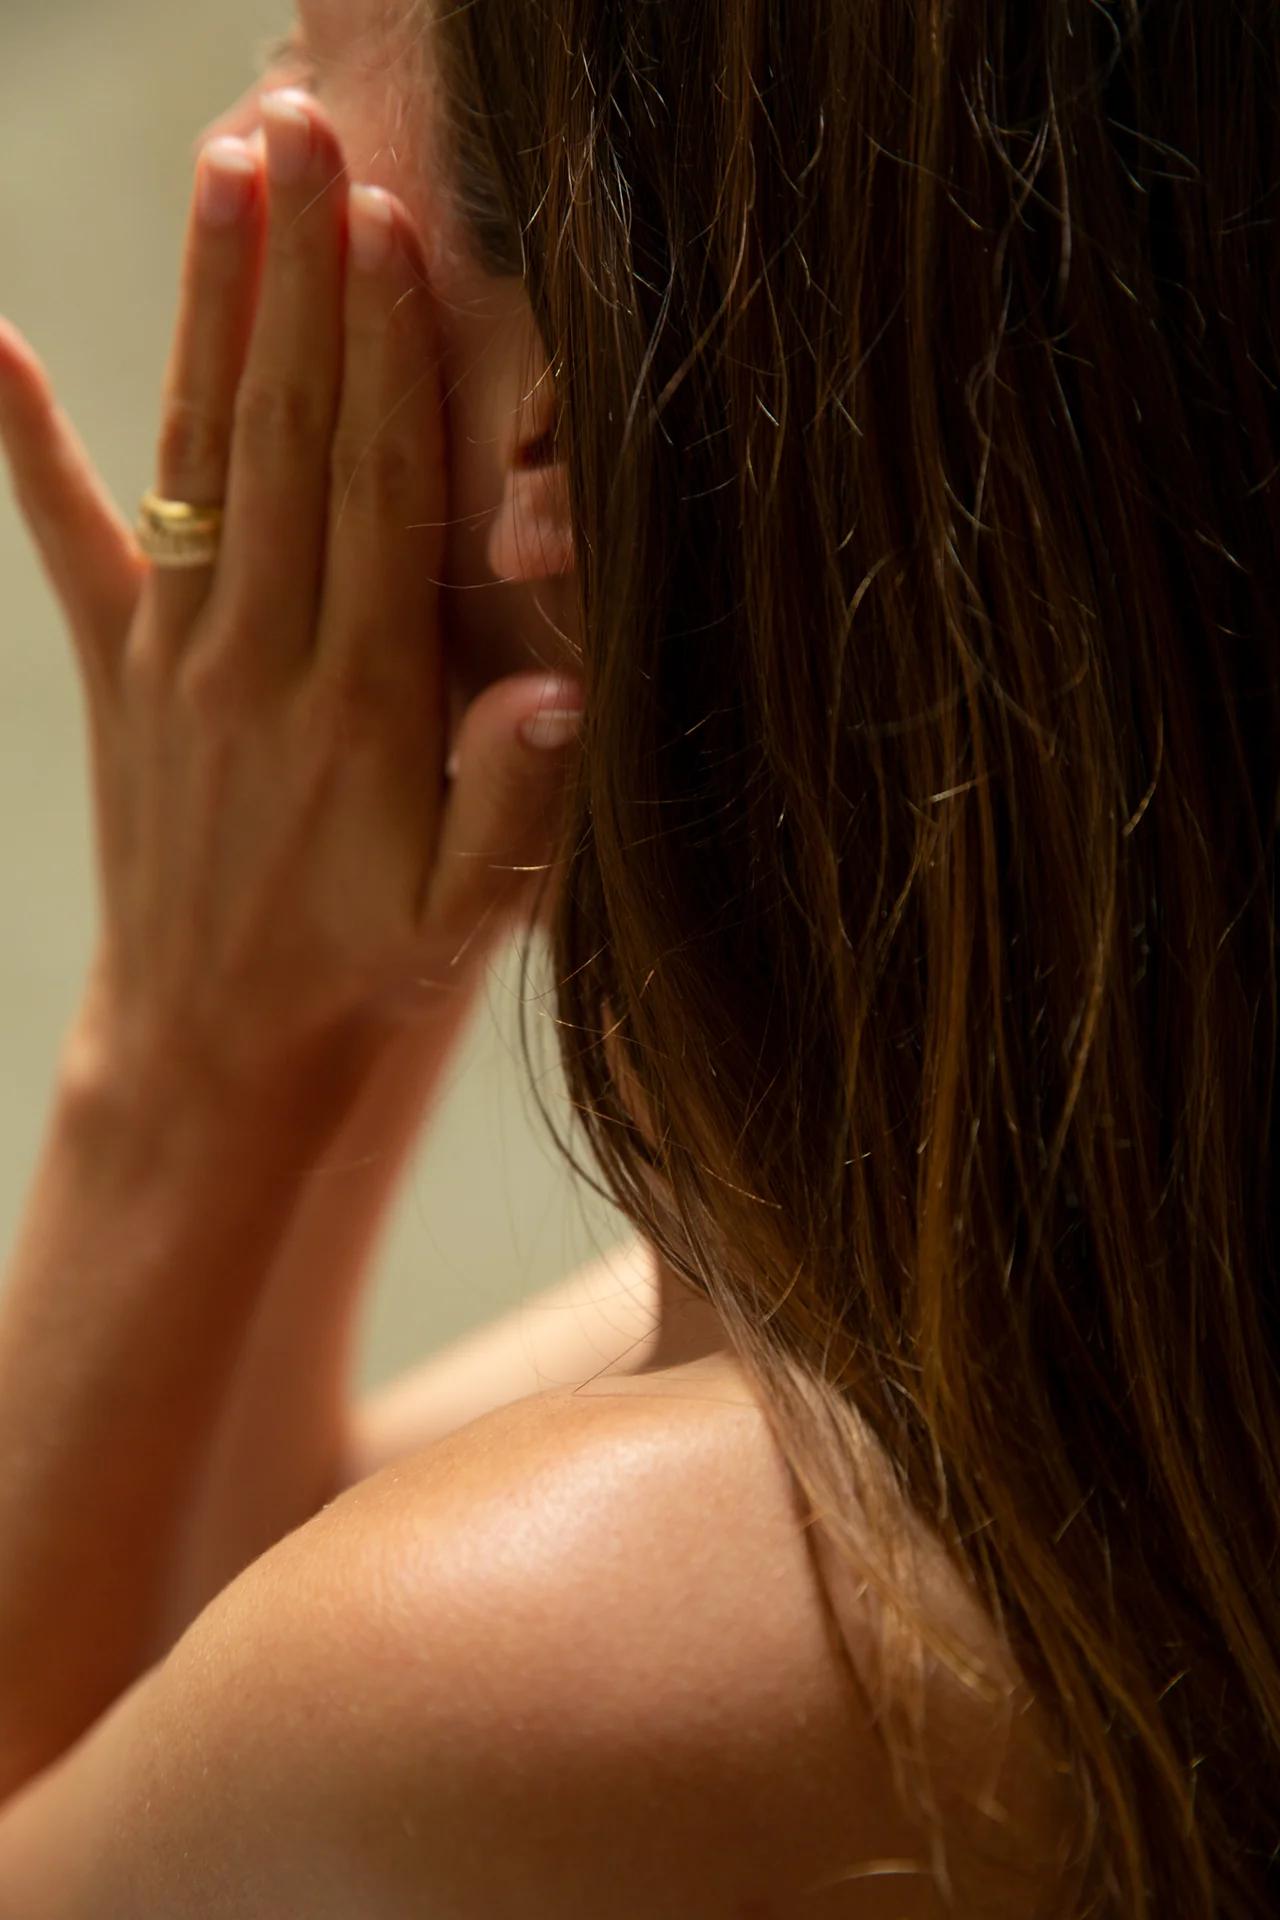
139	1261
276	1454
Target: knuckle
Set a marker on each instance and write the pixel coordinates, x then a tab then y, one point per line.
352	703
145	672
400	329
391	328
193	440
214	688
379	477
275	416
298	239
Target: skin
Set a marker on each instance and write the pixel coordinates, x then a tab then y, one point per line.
197	745
509	603
510	600
508	560
320	391
505	557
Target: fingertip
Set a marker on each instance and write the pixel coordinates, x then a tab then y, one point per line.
554	728
14	348
226	182
24	385
324	135
410	234
557	718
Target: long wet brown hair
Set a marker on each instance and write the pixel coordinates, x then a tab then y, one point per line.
917	366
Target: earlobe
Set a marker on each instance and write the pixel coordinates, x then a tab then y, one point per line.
532	536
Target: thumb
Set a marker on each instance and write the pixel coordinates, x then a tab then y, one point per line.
513	750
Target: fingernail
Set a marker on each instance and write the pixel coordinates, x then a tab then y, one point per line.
288	126
554	727
371	228
226	175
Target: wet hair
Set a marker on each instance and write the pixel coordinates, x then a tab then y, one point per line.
917	373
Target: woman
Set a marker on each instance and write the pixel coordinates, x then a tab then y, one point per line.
875	410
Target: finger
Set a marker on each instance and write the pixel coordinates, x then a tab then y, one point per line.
86	549
219	272
384	543
269	571
501	827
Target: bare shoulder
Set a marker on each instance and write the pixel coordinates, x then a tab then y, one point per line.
644	1693
478	1684
570	1660
648	1686
711	1609
603	1535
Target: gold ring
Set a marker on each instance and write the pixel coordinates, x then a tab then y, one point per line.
175	533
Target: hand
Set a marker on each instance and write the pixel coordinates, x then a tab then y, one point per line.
282	859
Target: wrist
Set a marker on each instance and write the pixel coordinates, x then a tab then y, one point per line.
148	1106
124	1053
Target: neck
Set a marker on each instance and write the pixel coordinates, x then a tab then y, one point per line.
689	1326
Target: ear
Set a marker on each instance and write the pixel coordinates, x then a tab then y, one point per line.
532	537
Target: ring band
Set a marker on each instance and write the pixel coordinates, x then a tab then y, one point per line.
174	533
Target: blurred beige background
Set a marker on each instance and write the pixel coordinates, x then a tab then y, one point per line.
99	105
